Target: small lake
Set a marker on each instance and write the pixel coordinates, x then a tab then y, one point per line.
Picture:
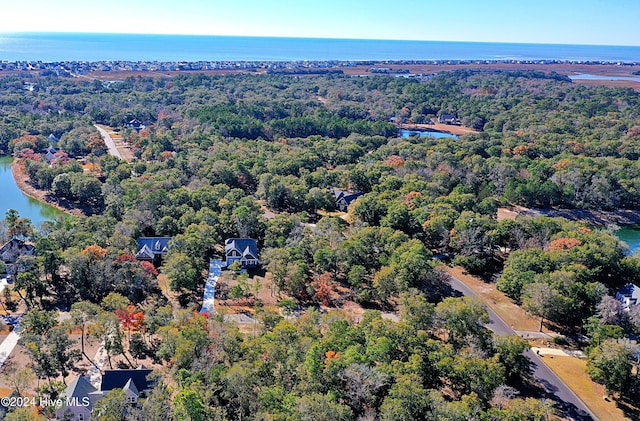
11	197
630	235
430	133
597	77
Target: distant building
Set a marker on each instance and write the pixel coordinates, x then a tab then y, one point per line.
53	138
135	124
629	295
152	248
12	250
344	198
448	119
243	251
50	155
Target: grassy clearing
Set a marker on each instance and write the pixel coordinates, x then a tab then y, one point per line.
573	372
508	311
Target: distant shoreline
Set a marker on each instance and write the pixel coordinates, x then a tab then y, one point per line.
106	71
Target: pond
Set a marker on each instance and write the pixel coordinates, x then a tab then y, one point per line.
631	236
11	197
598	77
430	133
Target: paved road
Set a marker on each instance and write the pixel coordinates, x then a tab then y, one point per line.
557	390
109	142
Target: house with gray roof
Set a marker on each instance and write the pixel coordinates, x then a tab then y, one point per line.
81	396
78	405
448	119
243	251
629	295
12	250
344	198
152	248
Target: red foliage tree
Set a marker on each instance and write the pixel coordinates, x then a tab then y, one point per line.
131	318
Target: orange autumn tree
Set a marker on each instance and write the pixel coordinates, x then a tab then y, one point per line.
95	252
564	243
323	287
330	355
131	318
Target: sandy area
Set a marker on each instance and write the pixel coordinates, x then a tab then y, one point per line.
20	358
447	128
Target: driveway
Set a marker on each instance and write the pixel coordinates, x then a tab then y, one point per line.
557	390
111	145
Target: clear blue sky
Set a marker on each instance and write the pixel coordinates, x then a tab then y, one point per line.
613	22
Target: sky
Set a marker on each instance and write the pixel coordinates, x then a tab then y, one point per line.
598	22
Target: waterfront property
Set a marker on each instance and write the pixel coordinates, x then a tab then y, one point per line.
448	119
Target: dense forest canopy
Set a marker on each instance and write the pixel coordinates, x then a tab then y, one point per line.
217	150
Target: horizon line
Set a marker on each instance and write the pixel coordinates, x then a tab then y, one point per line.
9	33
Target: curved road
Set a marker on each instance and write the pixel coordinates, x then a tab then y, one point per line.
568	402
109	142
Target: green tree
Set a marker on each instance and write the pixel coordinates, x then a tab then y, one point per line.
511	350
463	319
188	406
318	407
113	406
609	364
541	299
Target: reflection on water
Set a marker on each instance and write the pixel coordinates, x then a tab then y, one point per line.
430	133
631	236
11	197
598	77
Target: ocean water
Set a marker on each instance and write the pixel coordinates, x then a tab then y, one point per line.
51	47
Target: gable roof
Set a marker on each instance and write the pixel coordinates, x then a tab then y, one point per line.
79	388
631	292
344	198
130	388
244	246
150	247
15	248
118	379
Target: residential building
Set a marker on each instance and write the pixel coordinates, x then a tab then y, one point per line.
12	250
243	251
629	295
152	248
344	198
